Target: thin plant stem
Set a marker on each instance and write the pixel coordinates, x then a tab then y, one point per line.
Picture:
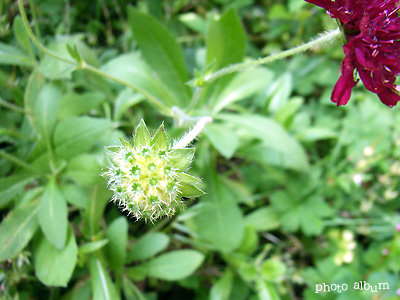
12	106
21	163
323	39
192	134
85	66
35	19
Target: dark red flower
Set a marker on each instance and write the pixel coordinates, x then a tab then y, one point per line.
372	30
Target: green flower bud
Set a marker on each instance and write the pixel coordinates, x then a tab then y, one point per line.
148	178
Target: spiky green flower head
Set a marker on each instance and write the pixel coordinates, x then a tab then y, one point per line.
148	178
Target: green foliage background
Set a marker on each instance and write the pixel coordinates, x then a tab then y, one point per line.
299	191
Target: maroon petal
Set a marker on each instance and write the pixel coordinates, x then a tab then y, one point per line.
389	97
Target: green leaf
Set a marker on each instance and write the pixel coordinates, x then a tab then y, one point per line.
53	215
46	109
92	246
77	135
22	36
161	52
277	147
220	221
226	42
316	134
263	219
181	158
116	249
84	170
74	194
102	286
131	292
74	104
188	190
35	84
193	21
279	92
95	205
131	68
223	138
54	267
126	99
243	85
148	246
16	230
142	136
11	185
174	265
160	139
222	288
10	55
54	69
187	178
273	269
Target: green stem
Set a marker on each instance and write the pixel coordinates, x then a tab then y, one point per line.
12	106
328	37
34	16
35	40
85	66
21	163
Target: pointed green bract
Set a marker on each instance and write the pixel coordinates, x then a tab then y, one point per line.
181	158
160	139
142	136
188	190
148	180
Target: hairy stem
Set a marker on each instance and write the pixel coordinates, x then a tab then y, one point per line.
328	37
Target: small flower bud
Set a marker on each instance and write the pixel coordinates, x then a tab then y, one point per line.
148	178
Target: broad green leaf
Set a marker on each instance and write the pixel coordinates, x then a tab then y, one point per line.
226	43
148	246
277	147
174	265
142	136
95	205
54	267
243	85
263	219
126	99
11	185
102	286
223	138
220	221
287	112
74	194
84	169
53	215
22	36
161	52
74	104
77	135
116	249
46	109
132	69
250	241
17	229
10	55
222	288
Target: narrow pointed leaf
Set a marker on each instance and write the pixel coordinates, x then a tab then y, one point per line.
17	229
188	190
181	158
160	139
